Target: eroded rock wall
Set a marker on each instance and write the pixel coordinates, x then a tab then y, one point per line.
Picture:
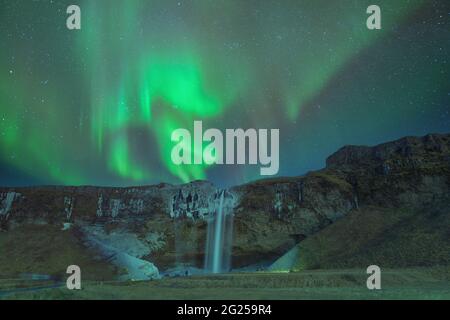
167	224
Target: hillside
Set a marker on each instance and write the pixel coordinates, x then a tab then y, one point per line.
384	237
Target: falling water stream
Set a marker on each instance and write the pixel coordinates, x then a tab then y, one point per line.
218	244
218	237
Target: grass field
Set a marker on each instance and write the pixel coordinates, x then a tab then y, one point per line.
389	239
419	283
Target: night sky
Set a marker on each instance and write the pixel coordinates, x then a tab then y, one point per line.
97	106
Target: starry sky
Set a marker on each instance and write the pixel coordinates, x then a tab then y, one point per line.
97	106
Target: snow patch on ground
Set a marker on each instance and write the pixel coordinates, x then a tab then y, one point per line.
135	268
287	261
121	240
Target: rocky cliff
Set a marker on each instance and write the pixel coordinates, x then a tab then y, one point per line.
167	224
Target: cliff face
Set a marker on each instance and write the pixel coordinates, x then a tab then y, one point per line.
167	224
410	172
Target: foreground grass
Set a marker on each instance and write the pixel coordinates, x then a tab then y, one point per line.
429	283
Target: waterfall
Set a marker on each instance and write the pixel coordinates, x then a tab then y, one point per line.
219	236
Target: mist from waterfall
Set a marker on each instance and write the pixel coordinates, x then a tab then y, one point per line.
220	234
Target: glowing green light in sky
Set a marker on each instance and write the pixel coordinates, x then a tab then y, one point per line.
103	101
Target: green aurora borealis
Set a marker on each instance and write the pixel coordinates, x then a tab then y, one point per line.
98	105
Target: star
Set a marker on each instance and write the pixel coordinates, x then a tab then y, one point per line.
235	65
